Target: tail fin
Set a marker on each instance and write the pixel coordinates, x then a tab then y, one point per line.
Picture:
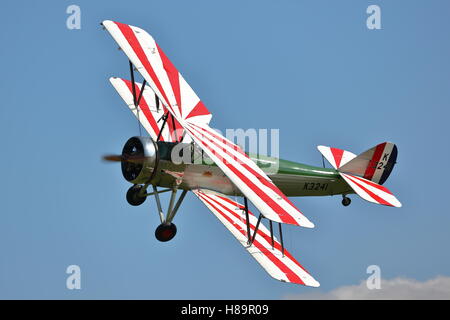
375	164
366	172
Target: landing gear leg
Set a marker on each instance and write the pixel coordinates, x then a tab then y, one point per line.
346	201
167	230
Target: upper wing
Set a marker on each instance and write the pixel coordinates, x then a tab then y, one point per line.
186	107
232	215
148	113
165	80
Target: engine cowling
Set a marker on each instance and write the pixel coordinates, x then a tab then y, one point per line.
143	156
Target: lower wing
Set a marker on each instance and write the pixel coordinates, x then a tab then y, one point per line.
280	266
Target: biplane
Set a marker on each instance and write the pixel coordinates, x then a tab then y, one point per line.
217	171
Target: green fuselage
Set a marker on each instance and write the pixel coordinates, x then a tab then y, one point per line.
292	178
297	179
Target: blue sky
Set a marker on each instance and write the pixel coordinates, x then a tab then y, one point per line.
310	68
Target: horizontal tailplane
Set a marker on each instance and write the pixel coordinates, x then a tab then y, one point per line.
371	191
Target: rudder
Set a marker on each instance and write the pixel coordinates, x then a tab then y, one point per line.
375	164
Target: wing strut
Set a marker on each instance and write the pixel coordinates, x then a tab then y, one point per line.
138	100
271	233
256	229
157	102
247	220
175	128
164	117
252	238
132	83
142	91
281	238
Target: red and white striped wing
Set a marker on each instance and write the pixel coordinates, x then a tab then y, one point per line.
371	191
336	157
231	214
186	107
247	176
147	113
161	75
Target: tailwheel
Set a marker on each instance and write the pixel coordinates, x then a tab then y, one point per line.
346	201
165	232
134	196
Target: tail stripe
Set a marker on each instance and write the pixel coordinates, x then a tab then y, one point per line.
373	184
371	191
389	165
370	170
337	155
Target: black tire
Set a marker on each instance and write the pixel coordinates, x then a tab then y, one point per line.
133	197
165	232
346	201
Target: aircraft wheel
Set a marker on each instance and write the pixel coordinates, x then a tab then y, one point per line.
346	201
133	196
165	232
